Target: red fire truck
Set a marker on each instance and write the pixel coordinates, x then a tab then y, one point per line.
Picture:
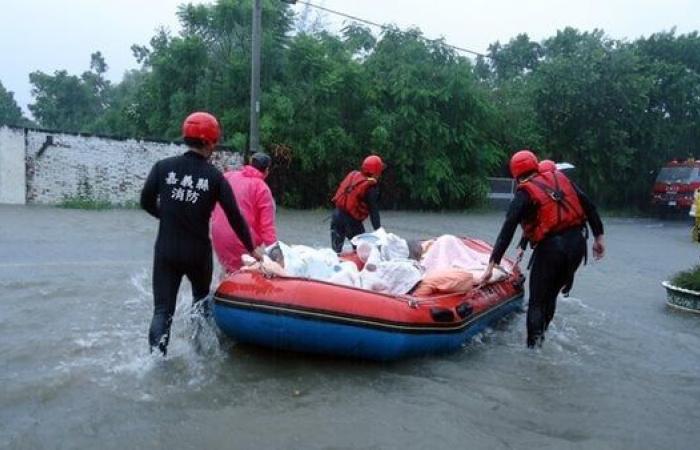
674	186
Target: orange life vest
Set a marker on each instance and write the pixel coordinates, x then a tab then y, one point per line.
350	196
558	205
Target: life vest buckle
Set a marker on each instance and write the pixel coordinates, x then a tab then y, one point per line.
557	196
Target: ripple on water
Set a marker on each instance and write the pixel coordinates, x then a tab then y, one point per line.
567	341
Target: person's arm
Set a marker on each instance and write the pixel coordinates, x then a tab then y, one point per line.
372	199
516	212
228	203
266	216
591	212
149	193
594	221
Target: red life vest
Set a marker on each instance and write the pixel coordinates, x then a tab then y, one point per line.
558	205
350	196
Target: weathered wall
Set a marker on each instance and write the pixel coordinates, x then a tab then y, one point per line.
13	186
62	166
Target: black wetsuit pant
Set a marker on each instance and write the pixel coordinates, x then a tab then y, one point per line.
343	227
167	275
554	264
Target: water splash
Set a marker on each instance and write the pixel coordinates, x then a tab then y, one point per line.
116	353
566	341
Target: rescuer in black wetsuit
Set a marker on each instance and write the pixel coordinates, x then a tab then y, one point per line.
553	212
356	198
181	192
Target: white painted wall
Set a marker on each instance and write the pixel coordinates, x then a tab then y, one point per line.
13	185
101	168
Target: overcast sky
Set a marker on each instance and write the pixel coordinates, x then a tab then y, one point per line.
51	35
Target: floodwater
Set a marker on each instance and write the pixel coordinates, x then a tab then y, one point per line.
618	369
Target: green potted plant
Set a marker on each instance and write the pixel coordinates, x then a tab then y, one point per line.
683	290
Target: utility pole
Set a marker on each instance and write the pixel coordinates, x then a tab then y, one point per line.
255	78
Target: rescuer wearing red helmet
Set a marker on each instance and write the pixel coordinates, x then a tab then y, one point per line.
547	165
553	213
181	192
356	198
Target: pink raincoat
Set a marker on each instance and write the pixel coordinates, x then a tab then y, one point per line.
257	207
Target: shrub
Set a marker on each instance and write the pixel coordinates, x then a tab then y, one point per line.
688	279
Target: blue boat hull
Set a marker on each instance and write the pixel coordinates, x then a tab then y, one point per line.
297	331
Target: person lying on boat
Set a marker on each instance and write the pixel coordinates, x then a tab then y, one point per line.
444	252
298	261
390	265
393	277
396	276
272	263
446	265
450	266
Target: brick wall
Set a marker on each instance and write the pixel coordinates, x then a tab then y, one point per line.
64	165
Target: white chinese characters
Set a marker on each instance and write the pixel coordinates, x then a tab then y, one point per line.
203	184
172	178
187	181
185	190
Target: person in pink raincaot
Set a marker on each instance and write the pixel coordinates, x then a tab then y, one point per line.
257	206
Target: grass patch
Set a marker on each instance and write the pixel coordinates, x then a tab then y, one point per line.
84	203
77	202
688	279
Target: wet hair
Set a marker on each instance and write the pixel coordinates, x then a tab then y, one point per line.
260	161
415	249
275	254
195	143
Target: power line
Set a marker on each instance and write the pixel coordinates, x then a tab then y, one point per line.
385	27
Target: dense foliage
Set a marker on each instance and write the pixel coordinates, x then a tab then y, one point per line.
618	110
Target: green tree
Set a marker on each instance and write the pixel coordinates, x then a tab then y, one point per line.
517	58
207	66
10	112
590	95
69	102
431	121
673	116
316	113
616	109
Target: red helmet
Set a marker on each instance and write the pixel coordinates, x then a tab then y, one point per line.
372	165
203	126
547	165
523	162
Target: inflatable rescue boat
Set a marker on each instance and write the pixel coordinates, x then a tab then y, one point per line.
312	316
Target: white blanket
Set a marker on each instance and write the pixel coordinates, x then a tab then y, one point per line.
449	252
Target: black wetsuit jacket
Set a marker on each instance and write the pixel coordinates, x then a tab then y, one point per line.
182	191
523	207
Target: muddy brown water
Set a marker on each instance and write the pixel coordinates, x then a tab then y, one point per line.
618	370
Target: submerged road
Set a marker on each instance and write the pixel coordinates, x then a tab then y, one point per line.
618	370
